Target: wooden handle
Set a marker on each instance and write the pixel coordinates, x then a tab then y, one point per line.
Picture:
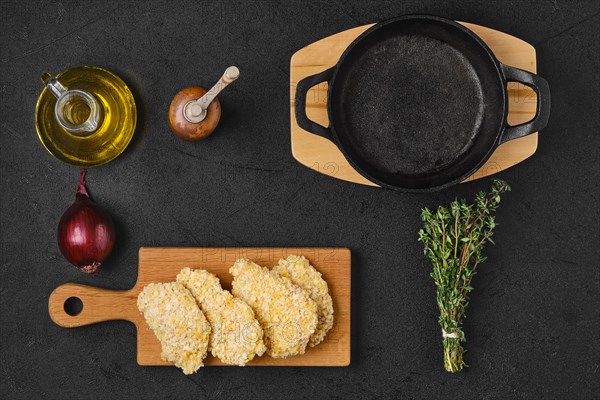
230	75
98	305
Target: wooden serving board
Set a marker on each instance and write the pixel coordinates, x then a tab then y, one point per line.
157	264
323	156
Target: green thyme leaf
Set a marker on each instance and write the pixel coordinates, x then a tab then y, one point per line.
453	240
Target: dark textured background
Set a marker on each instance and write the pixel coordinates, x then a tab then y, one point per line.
533	328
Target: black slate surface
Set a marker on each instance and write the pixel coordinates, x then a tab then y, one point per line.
533	327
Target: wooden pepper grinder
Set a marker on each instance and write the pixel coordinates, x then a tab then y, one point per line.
195	112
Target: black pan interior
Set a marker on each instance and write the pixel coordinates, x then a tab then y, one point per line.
417	102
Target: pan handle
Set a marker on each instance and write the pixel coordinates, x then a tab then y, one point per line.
542	90
301	91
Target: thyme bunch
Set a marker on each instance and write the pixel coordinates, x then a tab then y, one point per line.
453	238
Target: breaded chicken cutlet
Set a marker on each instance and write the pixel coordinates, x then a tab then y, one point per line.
172	313
304	275
236	335
286	313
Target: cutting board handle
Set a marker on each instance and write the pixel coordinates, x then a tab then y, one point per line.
98	305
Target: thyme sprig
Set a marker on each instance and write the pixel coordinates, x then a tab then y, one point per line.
453	238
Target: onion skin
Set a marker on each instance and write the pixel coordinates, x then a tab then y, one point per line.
86	233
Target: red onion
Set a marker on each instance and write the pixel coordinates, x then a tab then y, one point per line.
86	233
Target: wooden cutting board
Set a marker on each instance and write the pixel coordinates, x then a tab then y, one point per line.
324	157
157	264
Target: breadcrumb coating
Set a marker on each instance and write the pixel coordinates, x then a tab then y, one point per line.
304	275
172	313
286	313
236	335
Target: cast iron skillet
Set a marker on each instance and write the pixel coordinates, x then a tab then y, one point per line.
418	103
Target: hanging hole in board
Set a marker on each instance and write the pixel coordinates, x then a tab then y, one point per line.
73	306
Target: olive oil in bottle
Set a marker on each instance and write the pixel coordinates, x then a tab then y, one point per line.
86	116
76	110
